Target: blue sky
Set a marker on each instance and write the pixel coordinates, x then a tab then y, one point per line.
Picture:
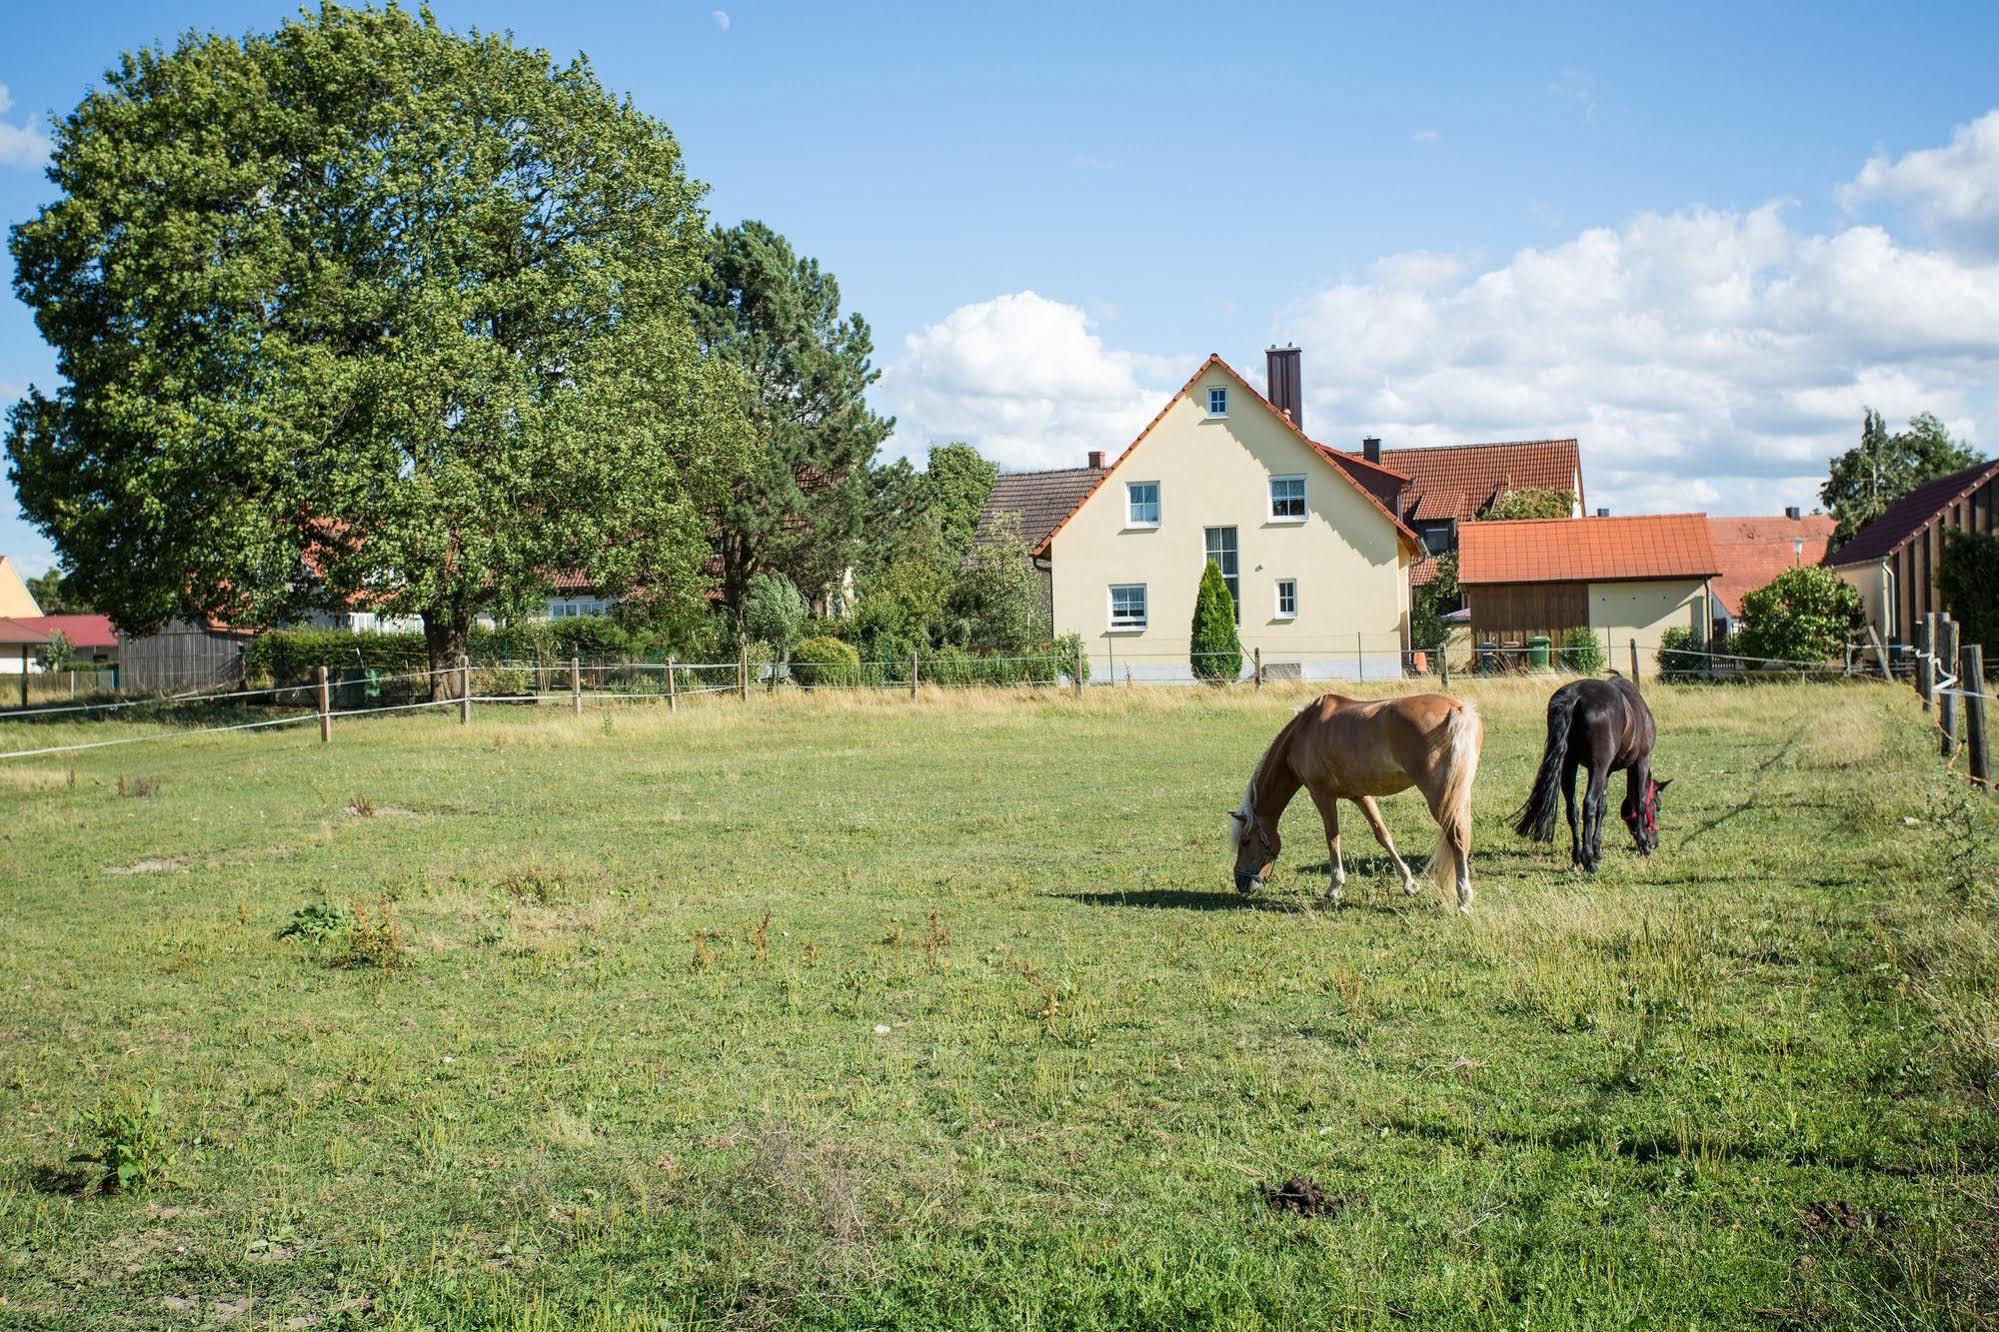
1660	232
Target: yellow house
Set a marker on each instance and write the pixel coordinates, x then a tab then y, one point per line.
16	601
1318	565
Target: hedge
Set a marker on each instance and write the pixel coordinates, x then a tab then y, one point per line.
825	661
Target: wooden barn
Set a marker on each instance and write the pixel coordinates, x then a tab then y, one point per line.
185	654
1893	560
1630	579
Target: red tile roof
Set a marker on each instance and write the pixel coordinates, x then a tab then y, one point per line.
1577	550
84	631
1214	359
1752	551
1461	480
1911	514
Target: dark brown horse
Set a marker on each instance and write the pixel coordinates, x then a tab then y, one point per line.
1604	726
1355	749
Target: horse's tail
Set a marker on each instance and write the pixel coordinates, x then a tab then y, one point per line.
1536	818
1464	735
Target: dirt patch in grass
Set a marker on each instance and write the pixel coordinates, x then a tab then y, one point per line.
1304	1197
150	865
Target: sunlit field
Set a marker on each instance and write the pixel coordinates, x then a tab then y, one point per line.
839	1012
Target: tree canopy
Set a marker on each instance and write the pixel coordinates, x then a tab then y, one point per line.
1530	502
1802	615
366	310
775	316
1882	468
1968	577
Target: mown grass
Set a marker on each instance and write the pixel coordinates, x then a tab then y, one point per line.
858	1013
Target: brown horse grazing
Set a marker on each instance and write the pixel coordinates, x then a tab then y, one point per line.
1341	748
1602	725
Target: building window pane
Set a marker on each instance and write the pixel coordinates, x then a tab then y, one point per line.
1128	606
1218	402
1287	598
1287	497
1142	504
1221	544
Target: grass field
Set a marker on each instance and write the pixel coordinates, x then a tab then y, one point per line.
859	1013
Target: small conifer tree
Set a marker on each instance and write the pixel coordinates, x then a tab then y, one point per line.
1217	651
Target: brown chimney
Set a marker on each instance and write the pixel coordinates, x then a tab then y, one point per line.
1096	460
1370	449
1281	379
1793	512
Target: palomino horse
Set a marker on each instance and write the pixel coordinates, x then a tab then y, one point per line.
1341	748
1602	725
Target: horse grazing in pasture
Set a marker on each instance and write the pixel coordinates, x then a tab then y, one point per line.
1341	748
1605	726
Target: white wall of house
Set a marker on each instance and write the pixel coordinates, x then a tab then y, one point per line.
1876	585
1645	609
1345	610
570	606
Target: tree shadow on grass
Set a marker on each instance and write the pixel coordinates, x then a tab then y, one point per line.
1279	903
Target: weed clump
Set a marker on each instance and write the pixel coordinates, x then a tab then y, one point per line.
374	938
134	1146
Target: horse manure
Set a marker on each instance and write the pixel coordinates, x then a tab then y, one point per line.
1303	1197
1845	1220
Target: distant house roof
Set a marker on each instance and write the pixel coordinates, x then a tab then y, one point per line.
1371	493
1752	551
20	633
1581	550
1460	481
1039	500
84	631
1911	514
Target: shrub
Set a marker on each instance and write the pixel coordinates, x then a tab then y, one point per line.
1968	577
1216	652
134	1146
1582	651
1681	654
1803	615
1072	659
773	610
820	662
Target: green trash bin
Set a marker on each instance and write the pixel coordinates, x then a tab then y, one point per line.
1537	651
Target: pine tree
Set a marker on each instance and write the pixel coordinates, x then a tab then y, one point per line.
1217	651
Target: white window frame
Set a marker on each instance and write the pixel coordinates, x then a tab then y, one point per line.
1213	393
1304	499
1130	520
1127	626
1283	583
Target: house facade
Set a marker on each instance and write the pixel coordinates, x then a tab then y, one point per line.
1893	561
1317	564
1629	579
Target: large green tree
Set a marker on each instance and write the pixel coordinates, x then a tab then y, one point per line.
366	309
1805	614
1882	468
805	369
55	596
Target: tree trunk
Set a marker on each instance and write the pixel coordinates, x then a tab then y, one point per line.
445	632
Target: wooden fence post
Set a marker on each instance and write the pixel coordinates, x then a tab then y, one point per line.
1076	675
1880	653
915	671
24	675
743	671
325	710
1971	679
1950	651
464	691
672	688
1634	665
576	685
1926	673
1259	668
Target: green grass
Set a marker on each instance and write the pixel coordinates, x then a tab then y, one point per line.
580	1025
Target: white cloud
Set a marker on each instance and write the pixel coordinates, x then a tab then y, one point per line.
1426	136
20	145
1025	379
1954	190
721	17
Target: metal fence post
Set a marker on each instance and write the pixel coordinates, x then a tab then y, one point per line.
325	710
1971	679
576	686
1926	667
1949	650
1359	661
464	691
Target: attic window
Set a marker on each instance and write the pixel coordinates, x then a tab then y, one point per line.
1218	402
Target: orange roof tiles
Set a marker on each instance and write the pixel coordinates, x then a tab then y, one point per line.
1577	550
1460	480
1752	551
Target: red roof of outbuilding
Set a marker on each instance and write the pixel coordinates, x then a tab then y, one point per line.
21	632
84	631
1752	551
1582	550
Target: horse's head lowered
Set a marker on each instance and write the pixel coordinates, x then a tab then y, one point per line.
1641	815
1255	848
